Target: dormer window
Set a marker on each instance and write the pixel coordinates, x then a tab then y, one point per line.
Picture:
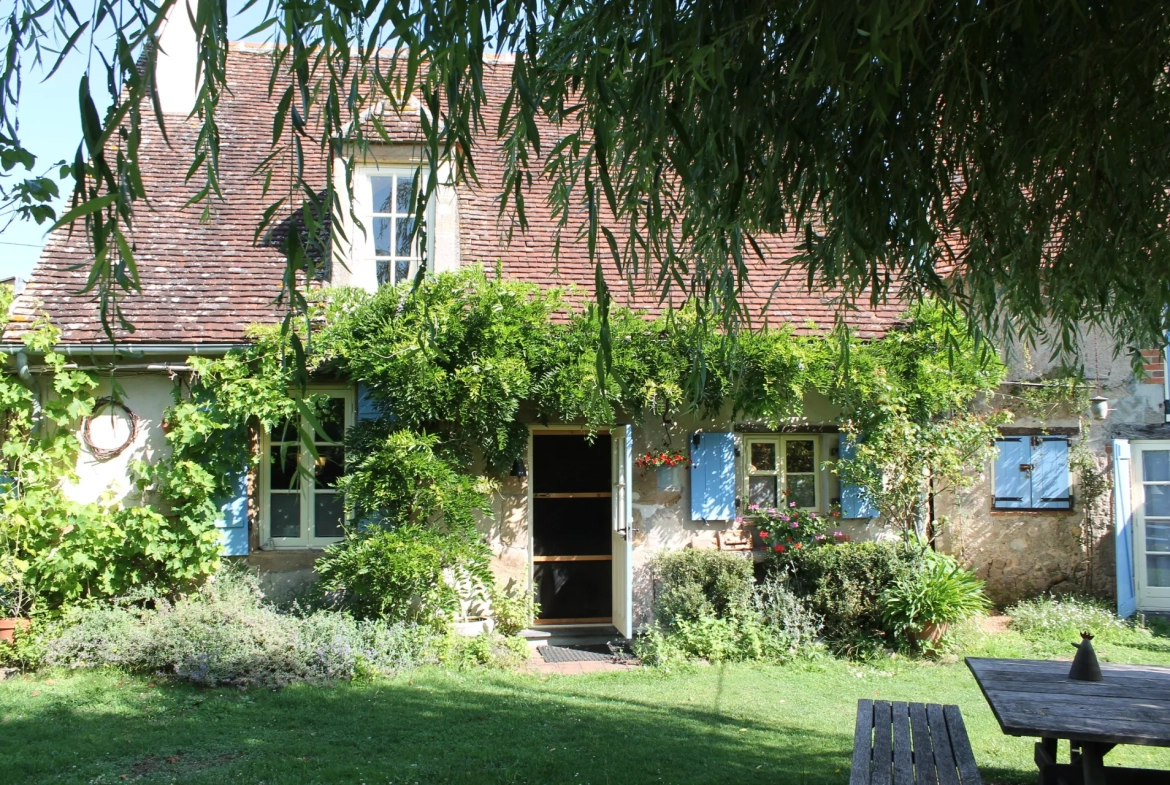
383	202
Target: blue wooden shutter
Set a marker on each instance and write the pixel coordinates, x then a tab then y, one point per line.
232	521
855	501
713	477
1013	488
1051	487
1123	528
367	407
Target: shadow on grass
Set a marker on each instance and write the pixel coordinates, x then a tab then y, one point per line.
429	729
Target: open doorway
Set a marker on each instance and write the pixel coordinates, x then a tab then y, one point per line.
572	561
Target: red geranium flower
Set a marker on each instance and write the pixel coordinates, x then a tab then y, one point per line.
779	548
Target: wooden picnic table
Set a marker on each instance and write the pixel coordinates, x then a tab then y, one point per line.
1131	705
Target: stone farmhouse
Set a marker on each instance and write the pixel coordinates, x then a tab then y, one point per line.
578	523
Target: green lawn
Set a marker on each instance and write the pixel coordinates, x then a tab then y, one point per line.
708	724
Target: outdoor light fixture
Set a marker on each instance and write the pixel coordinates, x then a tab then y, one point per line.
518	469
1099	407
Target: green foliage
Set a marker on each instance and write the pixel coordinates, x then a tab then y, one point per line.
398	479
698	135
1065	618
841	585
935	590
908	404
708	608
697	585
409	573
226	633
53	549
513	610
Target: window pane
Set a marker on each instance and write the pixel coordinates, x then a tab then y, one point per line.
282	472
802	489
1158	537
383	273
1158	501
1158	571
328	515
284	514
331	416
401	271
284	432
762	491
382	236
382	188
402	240
329	466
405	185
763	457
798	456
1156	465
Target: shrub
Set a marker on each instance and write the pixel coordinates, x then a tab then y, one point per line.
1056	618
936	590
412	573
227	634
709	609
841	585
702	584
513	609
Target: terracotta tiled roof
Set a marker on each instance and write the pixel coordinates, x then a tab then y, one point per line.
206	282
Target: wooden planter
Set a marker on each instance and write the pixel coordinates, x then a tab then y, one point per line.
8	628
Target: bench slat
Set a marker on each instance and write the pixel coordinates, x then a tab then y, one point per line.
964	755
862	743
944	760
923	750
880	775
903	762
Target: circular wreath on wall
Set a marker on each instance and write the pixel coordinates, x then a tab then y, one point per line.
108	452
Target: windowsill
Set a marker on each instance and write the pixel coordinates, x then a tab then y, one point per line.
1032	510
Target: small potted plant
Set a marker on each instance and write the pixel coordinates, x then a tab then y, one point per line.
790	528
933	594
15	599
667	462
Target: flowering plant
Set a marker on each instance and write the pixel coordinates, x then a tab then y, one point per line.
788	527
662	457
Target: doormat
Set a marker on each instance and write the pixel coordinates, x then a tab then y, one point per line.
598	653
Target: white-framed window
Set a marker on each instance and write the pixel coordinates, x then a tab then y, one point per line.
382	200
782	469
300	506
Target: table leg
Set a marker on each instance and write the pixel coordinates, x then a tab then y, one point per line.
1093	762
1045	756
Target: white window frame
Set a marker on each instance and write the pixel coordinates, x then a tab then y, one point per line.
1152	598
364	261
781	472
307	491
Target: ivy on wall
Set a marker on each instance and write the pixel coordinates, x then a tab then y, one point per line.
460	364
53	549
464	360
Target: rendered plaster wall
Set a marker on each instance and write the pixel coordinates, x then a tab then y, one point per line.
147	395
1022	554
661	510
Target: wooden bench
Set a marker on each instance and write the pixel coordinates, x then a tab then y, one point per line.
911	744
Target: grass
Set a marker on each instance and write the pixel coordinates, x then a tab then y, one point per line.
735	723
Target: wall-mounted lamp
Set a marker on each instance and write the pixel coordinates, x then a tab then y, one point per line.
1099	407
519	469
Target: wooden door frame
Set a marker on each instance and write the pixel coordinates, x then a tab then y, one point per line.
554	430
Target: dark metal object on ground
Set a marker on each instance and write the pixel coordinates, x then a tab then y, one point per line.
1131	705
1085	666
575	654
908	743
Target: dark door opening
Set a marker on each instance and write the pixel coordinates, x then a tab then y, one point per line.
571	544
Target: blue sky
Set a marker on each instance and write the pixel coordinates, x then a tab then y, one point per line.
50	128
